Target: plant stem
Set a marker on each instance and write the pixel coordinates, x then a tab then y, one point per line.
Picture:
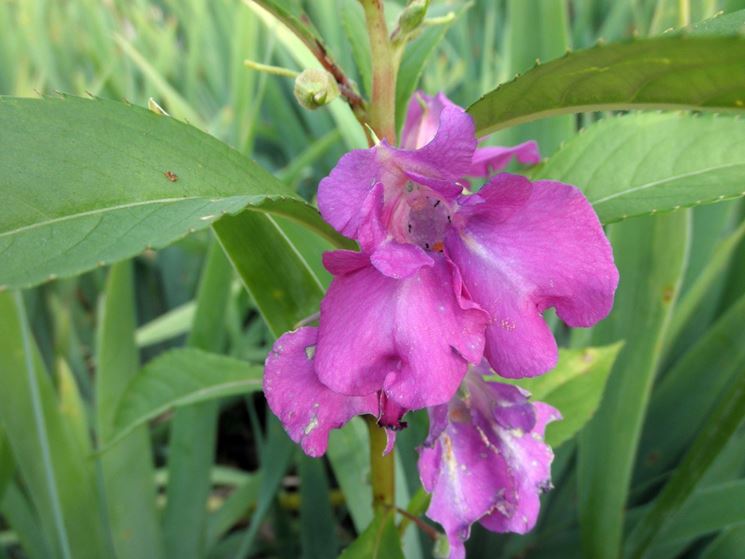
386	58
382	470
266	68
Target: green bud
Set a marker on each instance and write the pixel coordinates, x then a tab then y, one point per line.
315	88
413	15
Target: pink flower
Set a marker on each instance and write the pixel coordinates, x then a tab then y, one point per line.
520	247
445	279
485	460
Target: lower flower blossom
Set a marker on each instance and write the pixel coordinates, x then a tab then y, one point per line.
485	460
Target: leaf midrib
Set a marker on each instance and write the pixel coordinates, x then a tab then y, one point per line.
117	207
672	178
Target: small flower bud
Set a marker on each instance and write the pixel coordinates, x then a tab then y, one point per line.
412	16
315	88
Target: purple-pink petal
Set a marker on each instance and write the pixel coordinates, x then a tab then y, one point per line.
343	192
465	476
307	409
344	196
523	247
490	159
423	119
485	461
530	458
411	338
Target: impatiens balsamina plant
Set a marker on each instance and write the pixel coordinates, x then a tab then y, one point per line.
449	286
490	334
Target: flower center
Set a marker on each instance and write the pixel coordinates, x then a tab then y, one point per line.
426	215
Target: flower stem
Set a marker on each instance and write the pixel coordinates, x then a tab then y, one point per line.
382	470
386	58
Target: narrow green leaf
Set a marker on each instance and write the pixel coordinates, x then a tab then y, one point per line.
706	511
127	469
574	387
233	509
176	322
278	278
124	179
722	423
349	455
379	541
194	428
317	522
648	163
699	292
19	513
57	473
650	254
728	545
72	407
275	462
180	377
689	391
353	22
670	72
415	57
7	467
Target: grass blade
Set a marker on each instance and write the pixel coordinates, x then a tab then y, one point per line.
47	453
193	430
650	254
178	378
727	416
127	469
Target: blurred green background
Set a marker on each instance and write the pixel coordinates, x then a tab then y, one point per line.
265	499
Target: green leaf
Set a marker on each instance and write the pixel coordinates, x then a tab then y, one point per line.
237	505
127	469
670	72
728	545
317	522
687	393
58	475
274	463
180	377
574	387
7	467
650	254
123	180
547	24
353	22
275	274
349	456
72	407
379	541
699	294
171	324
19	513
649	163
721	424
415	57
708	510
194	428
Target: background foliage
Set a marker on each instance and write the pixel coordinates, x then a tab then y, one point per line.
130	419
